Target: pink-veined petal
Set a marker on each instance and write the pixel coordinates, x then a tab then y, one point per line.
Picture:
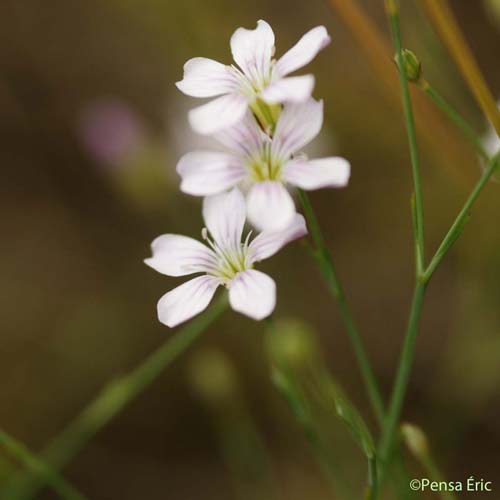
177	255
291	89
304	51
204	173
187	300
253	49
218	114
253	294
224	216
244	138
268	243
316	174
297	126
207	78
270	206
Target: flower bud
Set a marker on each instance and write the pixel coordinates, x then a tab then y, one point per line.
415	440
293	342
212	376
411	65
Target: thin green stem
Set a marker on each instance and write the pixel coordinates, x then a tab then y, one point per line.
458	224
455	117
447	26
39	468
327	269
115	396
372	479
403	375
291	387
393	13
435	474
389	433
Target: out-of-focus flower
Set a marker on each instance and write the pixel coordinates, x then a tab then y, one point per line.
491	142
111	131
212	376
266	165
125	149
227	261
492	8
257	77
415	439
294	344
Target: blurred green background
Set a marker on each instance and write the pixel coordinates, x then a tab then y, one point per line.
91	129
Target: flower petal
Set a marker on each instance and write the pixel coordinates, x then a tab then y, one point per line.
268	243
304	51
270	206
292	89
245	138
204	173
218	114
207	78
224	216
187	300
253	49
176	255
298	125
315	174
253	294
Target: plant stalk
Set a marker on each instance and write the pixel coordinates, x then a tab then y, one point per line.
402	377
457	226
38	467
327	269
389	433
114	398
455	117
392	9
442	17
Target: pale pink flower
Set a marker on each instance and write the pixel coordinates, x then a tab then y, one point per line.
257	75
225	260
265	166
111	131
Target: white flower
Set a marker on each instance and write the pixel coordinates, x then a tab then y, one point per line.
491	142
227	260
266	165
258	75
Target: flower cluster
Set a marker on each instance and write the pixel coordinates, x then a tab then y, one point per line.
261	119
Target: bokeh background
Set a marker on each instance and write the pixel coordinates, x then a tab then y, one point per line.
92	126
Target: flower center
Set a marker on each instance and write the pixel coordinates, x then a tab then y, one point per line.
264	166
231	259
256	78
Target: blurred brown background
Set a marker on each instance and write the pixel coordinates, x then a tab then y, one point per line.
91	129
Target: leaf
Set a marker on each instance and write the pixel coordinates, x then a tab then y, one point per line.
350	416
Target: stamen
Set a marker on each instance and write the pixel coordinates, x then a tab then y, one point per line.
231	260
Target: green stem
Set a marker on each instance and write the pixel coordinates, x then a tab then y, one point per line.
402	378
447	26
403	374
39	468
290	384
327	268
372	479
116	395
455	117
459	222
435	474
393	13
